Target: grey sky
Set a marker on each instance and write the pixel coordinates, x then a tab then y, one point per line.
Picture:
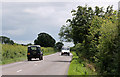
22	21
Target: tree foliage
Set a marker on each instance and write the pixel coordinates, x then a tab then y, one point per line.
77	30
96	36
6	40
59	45
45	40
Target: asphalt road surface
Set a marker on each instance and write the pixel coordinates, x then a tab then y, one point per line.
53	64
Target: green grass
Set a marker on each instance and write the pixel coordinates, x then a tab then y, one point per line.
21	58
48	50
78	67
48	53
14	60
16	53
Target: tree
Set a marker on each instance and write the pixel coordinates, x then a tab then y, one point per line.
6	40
65	34
96	36
79	25
29	44
78	28
59	45
45	40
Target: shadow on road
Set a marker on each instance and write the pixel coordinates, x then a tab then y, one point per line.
61	61
63	55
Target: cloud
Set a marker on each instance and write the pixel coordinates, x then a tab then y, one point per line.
16	32
68	44
22	21
40	11
23	42
119	5
61	0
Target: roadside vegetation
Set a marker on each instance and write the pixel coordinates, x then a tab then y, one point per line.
96	35
79	66
15	53
48	50
6	40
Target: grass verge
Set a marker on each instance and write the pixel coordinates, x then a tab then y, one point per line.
48	53
14	60
78	67
21	58
16	53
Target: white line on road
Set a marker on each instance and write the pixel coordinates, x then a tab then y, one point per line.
19	70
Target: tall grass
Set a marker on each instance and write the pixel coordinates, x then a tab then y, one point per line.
79	67
48	50
14	53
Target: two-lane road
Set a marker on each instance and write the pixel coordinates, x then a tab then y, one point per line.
53	64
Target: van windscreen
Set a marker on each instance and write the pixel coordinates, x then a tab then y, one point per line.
65	48
33	48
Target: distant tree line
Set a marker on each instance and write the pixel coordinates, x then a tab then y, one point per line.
43	39
59	45
46	40
6	40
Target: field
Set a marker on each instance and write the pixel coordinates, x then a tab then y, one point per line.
14	53
79	67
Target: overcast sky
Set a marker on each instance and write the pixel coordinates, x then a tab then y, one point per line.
23	21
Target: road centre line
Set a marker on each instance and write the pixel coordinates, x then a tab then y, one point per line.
19	70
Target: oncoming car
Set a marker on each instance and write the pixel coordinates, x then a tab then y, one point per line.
34	51
65	50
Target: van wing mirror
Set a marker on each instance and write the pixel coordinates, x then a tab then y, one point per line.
42	49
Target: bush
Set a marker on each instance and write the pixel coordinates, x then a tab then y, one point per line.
103	46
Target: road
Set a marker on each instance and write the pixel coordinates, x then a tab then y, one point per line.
53	64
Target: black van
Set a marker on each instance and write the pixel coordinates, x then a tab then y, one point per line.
34	51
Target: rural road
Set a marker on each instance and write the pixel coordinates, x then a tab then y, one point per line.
53	64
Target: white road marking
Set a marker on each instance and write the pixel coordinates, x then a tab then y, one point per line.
20	62
19	70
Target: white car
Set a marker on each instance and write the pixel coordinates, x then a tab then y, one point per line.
65	50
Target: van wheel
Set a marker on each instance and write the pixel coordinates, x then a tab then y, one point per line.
29	59
68	54
41	58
